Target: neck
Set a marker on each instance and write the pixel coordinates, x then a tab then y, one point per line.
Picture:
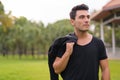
83	38
81	34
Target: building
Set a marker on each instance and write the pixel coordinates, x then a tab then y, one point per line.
109	15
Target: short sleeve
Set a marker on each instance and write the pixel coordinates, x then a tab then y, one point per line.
102	50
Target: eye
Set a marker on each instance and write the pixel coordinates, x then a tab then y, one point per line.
88	16
81	16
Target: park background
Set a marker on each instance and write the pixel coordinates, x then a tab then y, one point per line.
24	45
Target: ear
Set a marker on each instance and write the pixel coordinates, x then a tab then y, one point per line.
72	21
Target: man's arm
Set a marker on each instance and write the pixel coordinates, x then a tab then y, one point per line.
105	69
60	63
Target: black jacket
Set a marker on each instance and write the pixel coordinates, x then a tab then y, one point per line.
58	44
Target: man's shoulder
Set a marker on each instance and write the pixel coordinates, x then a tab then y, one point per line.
68	37
59	40
96	39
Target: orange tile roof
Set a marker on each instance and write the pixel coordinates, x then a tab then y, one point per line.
106	10
113	4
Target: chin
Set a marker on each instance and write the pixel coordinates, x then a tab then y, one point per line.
83	30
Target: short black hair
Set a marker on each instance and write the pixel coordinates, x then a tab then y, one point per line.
78	7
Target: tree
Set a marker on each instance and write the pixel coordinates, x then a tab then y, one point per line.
1	8
5	19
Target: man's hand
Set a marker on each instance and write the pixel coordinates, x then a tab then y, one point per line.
69	47
60	64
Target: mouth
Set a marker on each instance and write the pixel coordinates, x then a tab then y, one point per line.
86	25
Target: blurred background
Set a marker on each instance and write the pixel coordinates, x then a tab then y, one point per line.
28	28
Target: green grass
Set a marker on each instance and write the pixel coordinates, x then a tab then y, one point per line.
114	69
31	69
37	69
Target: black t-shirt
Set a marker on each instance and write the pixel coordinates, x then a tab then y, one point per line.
84	61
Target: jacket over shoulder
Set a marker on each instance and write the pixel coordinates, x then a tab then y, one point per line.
53	50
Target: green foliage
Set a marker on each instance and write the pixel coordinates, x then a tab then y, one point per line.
97	29
117	36
21	21
5	19
22	36
108	34
58	29
1	8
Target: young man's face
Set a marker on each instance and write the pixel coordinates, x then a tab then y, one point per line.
82	20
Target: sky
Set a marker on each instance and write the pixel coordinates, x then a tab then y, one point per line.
47	11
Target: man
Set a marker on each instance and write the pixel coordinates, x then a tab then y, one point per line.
83	53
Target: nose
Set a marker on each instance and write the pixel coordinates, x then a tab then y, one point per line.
87	19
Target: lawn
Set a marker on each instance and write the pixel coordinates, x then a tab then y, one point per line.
24	69
37	69
114	69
